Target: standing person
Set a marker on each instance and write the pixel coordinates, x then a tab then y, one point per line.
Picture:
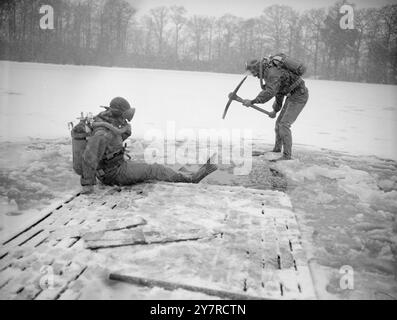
282	78
103	154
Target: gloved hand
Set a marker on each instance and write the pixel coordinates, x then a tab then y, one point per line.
87	189
247	102
273	114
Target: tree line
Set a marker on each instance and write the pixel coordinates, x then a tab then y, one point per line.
111	33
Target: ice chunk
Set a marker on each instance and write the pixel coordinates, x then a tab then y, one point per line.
8	207
356	182
387	185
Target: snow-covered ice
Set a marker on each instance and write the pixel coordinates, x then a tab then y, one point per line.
38	100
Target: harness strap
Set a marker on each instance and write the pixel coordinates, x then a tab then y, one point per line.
118	153
297	83
109	167
109	126
106	175
112	155
261	74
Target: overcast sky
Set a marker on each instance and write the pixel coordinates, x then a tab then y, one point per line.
244	8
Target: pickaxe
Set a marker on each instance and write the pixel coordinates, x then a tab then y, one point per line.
234	96
230	98
237	98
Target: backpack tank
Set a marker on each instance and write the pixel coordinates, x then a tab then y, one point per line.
79	134
290	64
83	131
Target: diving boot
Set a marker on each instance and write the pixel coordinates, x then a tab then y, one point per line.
283	158
183	169
204	171
256	153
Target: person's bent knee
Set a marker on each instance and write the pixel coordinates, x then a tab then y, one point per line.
284	128
284	125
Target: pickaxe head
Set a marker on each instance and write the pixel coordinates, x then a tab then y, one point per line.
232	97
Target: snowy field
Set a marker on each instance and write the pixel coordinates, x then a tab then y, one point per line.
37	100
345	154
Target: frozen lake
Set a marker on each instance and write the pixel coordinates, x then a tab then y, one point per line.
349	213
37	100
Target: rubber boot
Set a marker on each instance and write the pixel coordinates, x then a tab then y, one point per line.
204	171
283	158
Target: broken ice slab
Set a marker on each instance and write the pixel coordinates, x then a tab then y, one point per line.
117	238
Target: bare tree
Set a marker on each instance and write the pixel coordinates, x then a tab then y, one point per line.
148	28
160	19
106	32
210	27
178	18
315	19
388	15
338	42
274	19
229	24
198	26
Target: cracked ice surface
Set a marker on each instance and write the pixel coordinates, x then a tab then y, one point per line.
347	210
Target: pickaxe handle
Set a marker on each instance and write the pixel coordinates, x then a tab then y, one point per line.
237	98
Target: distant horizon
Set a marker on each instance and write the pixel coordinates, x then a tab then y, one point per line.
176	70
245	9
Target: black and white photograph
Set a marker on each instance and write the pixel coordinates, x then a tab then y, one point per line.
217	151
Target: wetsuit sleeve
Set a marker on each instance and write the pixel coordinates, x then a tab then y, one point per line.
93	153
272	86
127	132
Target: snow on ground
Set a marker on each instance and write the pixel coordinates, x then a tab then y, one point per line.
38	100
345	200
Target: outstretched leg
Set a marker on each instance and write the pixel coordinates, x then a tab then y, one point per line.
131	172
